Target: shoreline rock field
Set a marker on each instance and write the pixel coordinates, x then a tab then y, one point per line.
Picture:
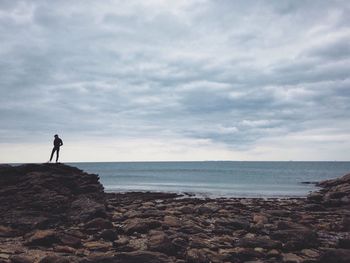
58	213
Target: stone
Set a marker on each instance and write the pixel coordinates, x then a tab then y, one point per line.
260	219
344	243
21	259
186	210
58	259
6	231
296	238
291	258
335	256
85	208
160	242
202	256
43	238
140	225
69	240
172	221
109	234
130	257
234	224
99	223
311	253
64	249
279	213
98	245
262	242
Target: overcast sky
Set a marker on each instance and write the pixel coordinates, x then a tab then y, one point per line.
175	80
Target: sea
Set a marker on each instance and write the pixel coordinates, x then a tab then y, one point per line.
216	178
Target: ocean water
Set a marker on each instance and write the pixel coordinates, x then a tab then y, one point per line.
216	178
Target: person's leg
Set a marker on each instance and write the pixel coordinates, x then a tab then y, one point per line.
57	153
53	151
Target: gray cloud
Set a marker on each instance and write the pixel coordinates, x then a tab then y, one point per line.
233	72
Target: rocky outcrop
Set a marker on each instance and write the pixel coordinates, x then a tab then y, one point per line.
334	192
57	213
43	196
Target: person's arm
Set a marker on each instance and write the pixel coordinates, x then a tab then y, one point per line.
61	142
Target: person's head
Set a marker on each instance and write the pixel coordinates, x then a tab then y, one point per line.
56	136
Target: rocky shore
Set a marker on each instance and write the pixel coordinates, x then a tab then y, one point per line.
57	213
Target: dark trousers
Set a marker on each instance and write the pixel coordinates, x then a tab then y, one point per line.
57	150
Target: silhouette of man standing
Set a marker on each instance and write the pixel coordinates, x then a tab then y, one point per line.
57	143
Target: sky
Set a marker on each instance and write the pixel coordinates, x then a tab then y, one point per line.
156	80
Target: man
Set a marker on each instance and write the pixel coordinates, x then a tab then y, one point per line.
57	143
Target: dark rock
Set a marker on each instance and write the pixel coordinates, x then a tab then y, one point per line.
234	224
344	243
279	213
43	238
98	245
7	231
315	197
109	234
58	259
42	196
85	209
99	223
296	238
131	257
203	255
140	225
335	256
314	207
160	242
21	259
69	240
263	242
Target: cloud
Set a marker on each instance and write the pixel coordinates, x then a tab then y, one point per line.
236	74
